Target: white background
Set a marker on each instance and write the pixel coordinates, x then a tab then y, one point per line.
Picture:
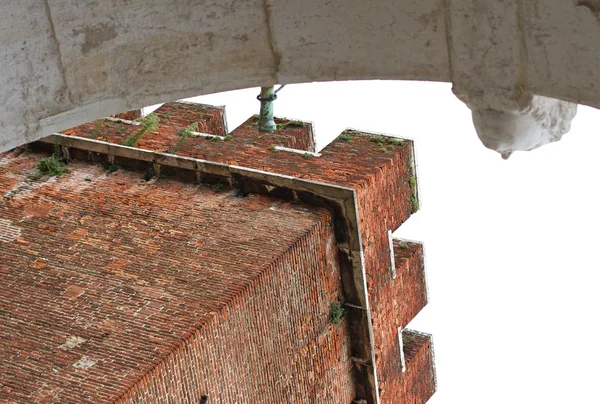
511	246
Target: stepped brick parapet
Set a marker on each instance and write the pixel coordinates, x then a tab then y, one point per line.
177	260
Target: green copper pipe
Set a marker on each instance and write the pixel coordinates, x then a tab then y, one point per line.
266	98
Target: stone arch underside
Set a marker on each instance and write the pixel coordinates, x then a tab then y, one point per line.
521	66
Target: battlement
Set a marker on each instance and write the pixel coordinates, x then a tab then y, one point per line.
365	181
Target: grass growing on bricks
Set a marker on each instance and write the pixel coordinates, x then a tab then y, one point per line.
52	166
273	148
394	142
111	168
293	124
383	140
414	203
408	340
377	139
412	181
148	123
345	138
97	126
306	156
403	246
184	134
336	311
218	187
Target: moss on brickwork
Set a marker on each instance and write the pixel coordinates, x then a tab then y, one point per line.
414	203
290	124
184	134
345	138
51	166
218	187
110	168
149	123
336	311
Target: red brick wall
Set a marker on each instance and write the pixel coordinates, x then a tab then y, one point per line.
380	173
410	293
400	300
395	302
136	268
273	343
129	115
180	115
417	384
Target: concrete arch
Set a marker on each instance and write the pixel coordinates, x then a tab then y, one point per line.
65	62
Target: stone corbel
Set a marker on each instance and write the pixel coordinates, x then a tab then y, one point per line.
521	123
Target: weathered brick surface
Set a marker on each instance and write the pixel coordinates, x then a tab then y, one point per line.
379	171
353	163
129	115
210	119
417	384
394	304
311	360
115	282
410	292
273	343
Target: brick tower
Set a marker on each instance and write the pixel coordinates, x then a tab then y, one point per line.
167	261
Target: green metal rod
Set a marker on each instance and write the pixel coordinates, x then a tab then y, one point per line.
266	97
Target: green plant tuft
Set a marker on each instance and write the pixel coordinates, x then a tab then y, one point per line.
394	141
336	311
377	139
52	166
273	149
218	187
148	123
294	124
306	156
228	138
382	149
408	340
350	132
412	181
403	246
97	126
111	168
345	138
414	203
184	134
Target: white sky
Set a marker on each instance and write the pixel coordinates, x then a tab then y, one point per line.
511	246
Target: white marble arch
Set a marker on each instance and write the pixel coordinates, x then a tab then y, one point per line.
521	66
